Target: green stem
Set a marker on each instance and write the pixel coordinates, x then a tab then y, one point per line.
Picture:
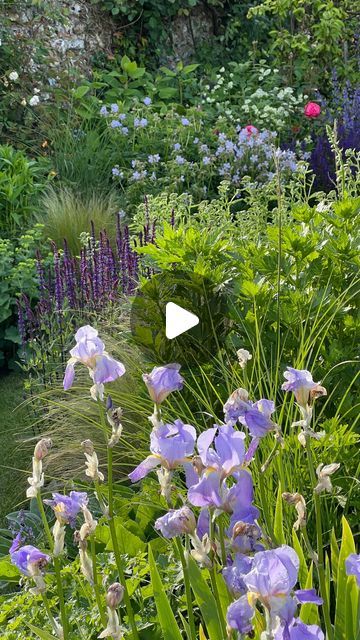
63	614
212	572
222	540
122	580
56	562
44	520
264	502
118	559
96	583
188	594
320	547
48	611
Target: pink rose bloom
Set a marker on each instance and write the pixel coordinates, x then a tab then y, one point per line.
251	130
312	110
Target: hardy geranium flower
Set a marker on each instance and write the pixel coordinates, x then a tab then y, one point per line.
176	522
162	381
312	110
30	561
90	351
170	446
256	416
271	581
352	564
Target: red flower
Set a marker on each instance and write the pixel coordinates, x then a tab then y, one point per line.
312	110
251	130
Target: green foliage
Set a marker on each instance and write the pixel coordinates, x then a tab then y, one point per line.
68	215
309	38
255	92
167	620
18	276
21	182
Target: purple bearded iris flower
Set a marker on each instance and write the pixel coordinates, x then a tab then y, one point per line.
176	522
352	564
234	574
212	491
300	382
256	416
170	446
297	630
228	454
66	508
90	351
271	580
28	559
162	381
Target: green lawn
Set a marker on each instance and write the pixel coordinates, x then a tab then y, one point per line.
13	459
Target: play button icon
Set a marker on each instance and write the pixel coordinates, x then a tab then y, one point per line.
178	316
178	320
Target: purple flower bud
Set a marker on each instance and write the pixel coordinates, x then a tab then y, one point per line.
114	595
176	522
162	381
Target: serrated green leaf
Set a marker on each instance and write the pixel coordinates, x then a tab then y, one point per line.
169	626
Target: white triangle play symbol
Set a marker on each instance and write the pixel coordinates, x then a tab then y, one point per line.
178	320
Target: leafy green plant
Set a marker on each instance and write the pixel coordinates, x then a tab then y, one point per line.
18	277
21	182
306	36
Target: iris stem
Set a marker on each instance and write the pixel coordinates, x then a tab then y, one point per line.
264	502
188	593
222	541
320	548
96	583
44	520
56	562
48	611
212	572
114	540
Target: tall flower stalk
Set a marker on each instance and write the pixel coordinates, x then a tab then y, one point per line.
112	527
